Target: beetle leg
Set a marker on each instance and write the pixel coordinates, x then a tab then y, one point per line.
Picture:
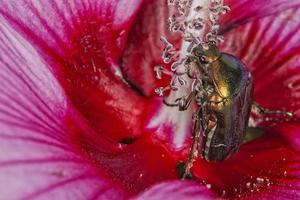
184	103
193	153
256	108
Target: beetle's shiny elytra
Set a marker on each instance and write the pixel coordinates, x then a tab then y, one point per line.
225	110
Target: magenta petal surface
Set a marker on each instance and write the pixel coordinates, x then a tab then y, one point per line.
82	41
37	160
244	11
270	48
88	110
183	190
63	93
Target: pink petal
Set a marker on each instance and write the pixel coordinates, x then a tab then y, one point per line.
182	190
37	123
82	41
244	11
270	48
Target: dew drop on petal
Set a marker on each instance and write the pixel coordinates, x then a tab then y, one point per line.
208	186
290	86
235	190
259	180
223	193
248	185
284	159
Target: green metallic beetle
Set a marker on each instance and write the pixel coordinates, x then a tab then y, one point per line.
224	95
228	106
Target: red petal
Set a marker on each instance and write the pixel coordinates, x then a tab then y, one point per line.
137	165
82	41
145	48
267	166
182	190
37	158
291	131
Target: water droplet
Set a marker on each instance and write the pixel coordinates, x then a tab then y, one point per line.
122	32
208	186
290	85
95	78
259	180
223	193
248	185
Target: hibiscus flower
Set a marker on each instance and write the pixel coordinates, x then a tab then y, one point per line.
79	118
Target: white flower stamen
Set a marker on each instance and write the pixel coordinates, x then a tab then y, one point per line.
197	21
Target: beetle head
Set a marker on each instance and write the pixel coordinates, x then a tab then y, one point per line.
208	54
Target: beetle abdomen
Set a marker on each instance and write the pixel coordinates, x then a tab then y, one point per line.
229	108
